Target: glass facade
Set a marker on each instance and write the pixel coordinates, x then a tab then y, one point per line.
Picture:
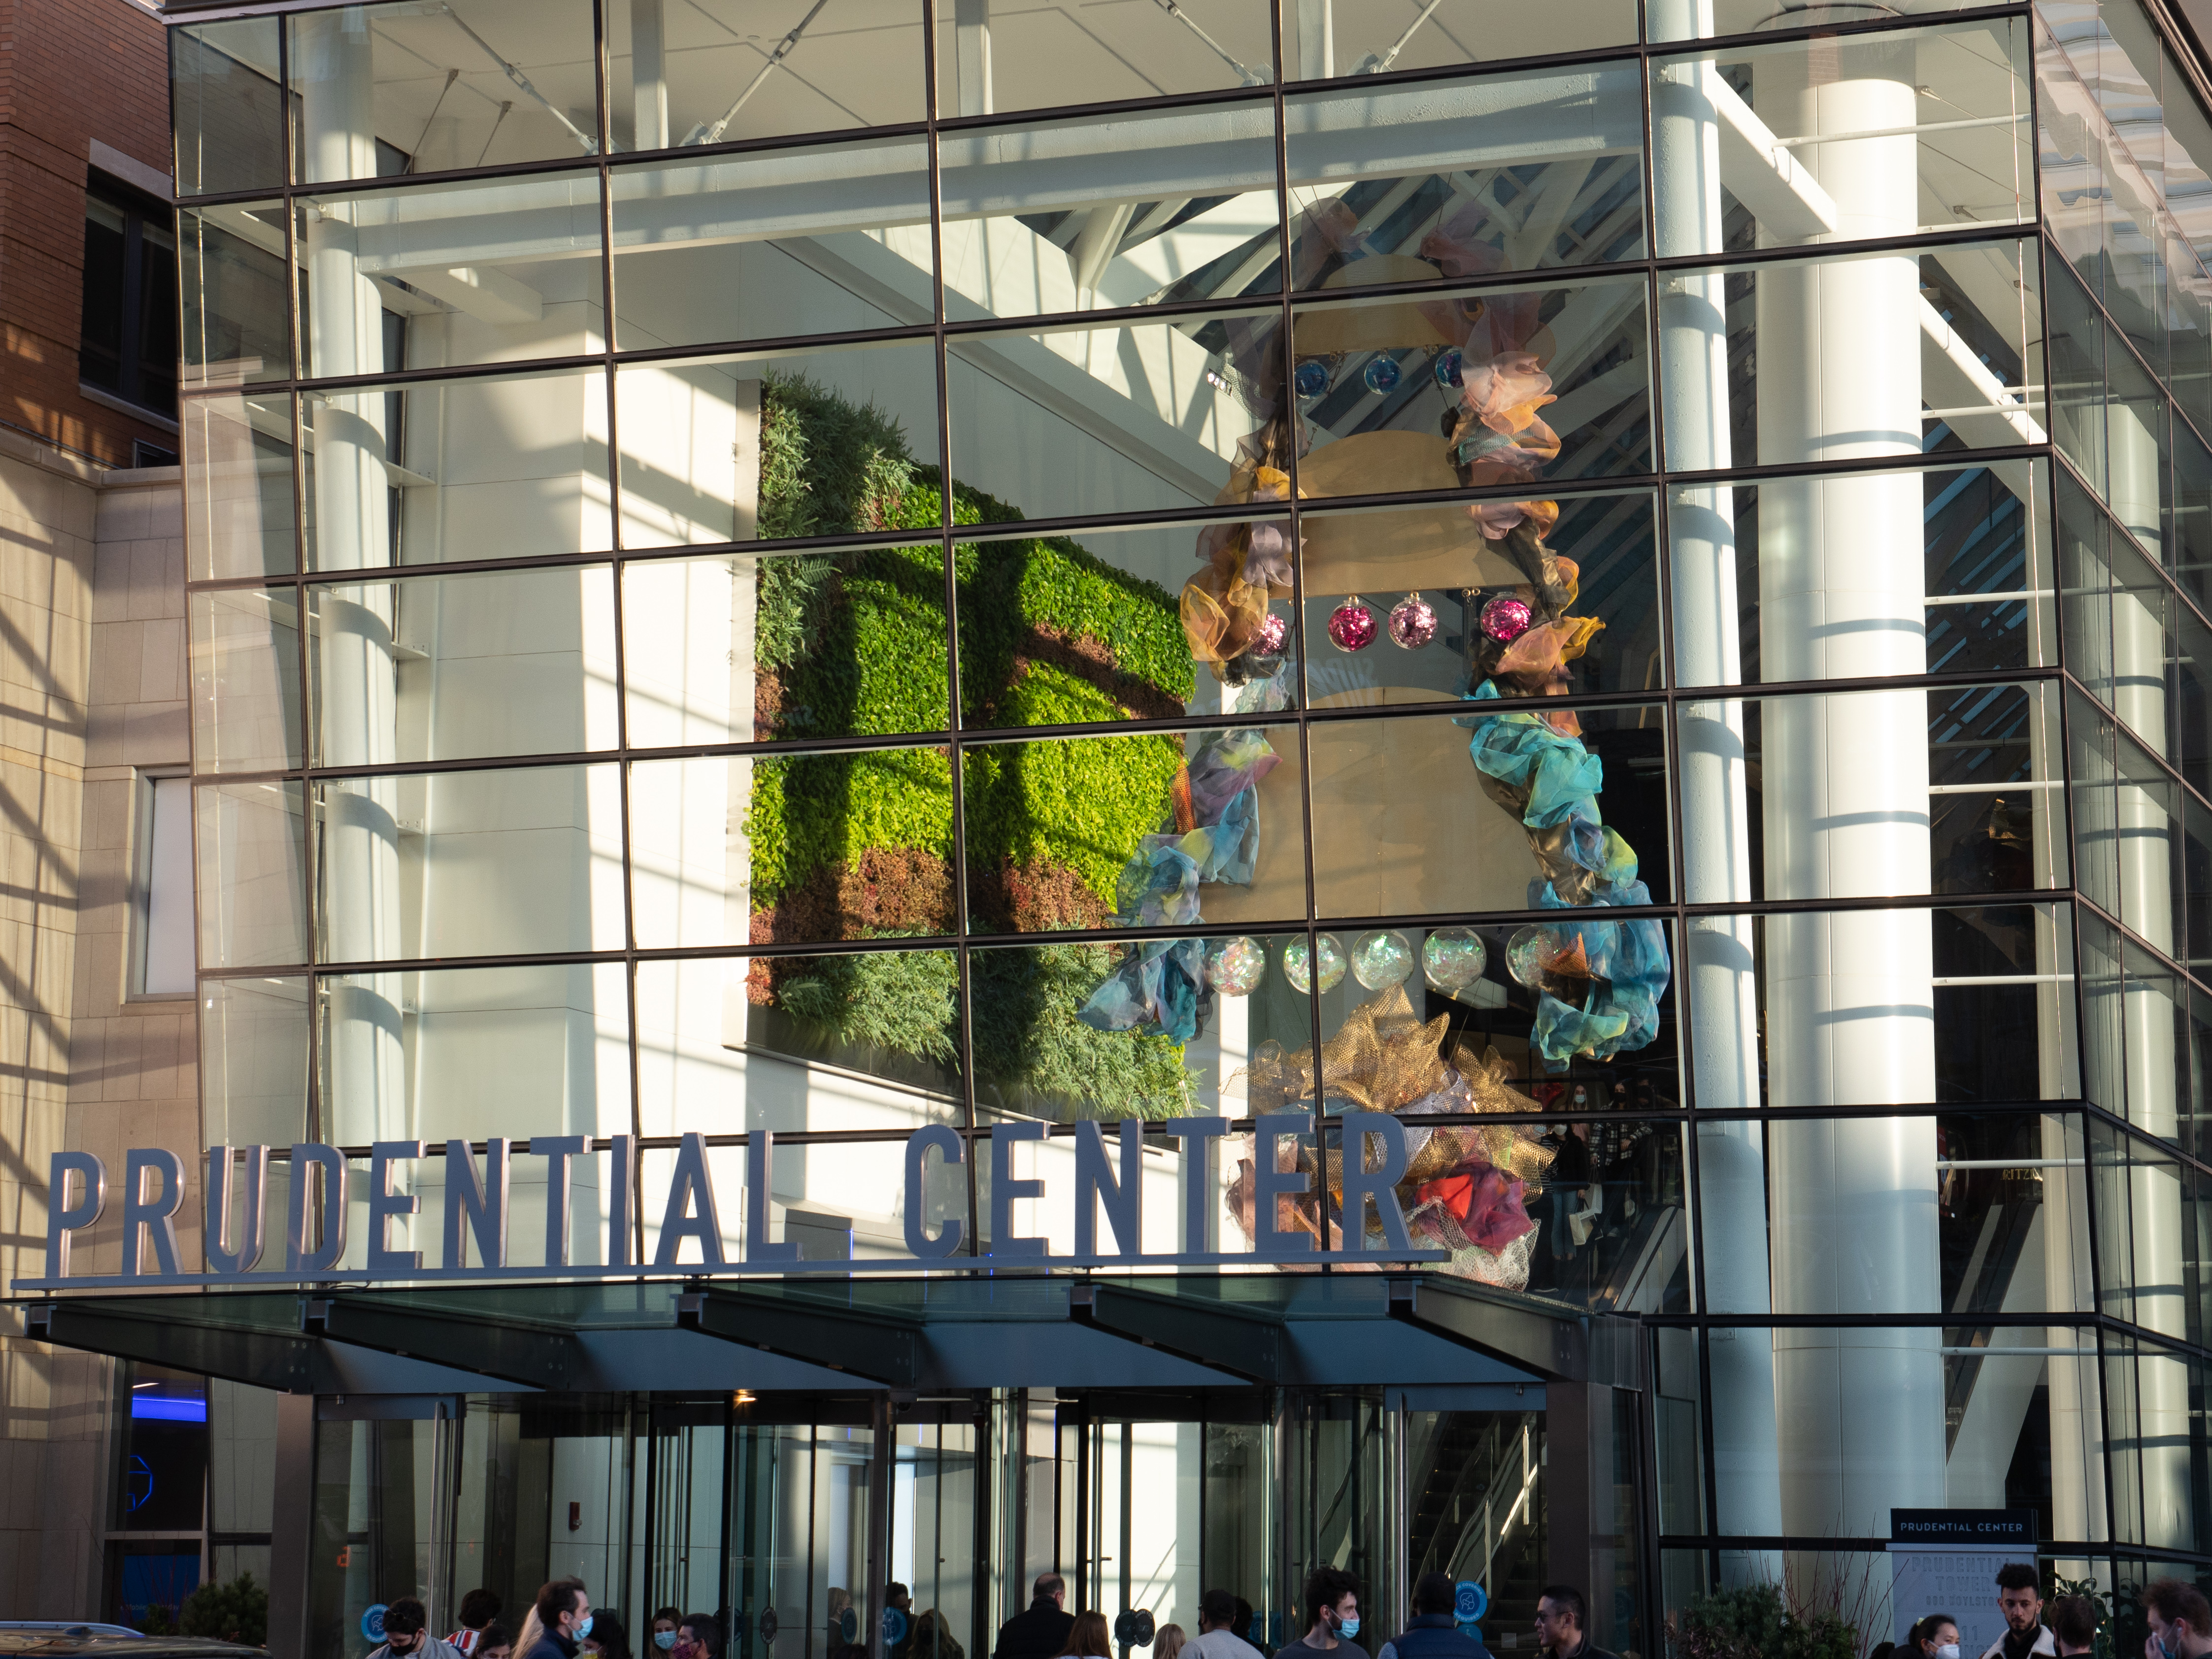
834	570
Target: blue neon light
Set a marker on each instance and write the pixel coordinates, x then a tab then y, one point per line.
167	1408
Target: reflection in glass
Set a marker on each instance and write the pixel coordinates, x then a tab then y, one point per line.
470	1053
238	456
524	859
514	662
253	1049
1063	52
720	72
1058	630
1176	206
731	448
1396	560
768	245
245	680
490	466
1350	38
1137	831
1524	383
791	850
1466	178
1984	592
231	268
252	875
494	271
228	110
466	83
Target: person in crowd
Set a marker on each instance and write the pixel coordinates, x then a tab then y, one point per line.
562	1613
1169	1641
900	1599
840	1602
2019	1598
1881	1650
932	1638
479	1608
1563	1625
1222	1621
610	1638
406	1636
1330	1603
1936	1636
2180	1621
1087	1638
1039	1630
666	1621
699	1637
1434	1632
2073	1621
497	1642
1243	1628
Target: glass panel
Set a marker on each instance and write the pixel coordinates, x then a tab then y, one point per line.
699	73
791	850
770	245
493	466
1119	418
2188	542
2158	1499
1533	380
2070	139
235	310
1176	205
746	649
1940	357
1531	823
1961	1005
470	83
1134	831
1057	632
1876	134
1158	1029
2077	376
1981	599
1061	54
526	860
1348	38
229	113
476	1052
1678	1429
1995	1176
491	272
870	1037
252	875
1611	1232
1466	178
238	457
762	446
254	1062
513	662
245	679
1866	793
1429	575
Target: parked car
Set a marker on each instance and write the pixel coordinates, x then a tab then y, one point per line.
60	1639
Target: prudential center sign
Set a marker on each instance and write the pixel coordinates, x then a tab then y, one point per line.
321	1195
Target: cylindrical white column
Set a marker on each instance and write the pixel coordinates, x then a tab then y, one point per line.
1717	955
360	889
1849	996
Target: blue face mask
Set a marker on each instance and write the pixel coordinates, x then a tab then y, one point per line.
1348	1628
584	1628
664	1639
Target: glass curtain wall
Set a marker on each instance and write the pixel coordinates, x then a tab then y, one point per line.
829	570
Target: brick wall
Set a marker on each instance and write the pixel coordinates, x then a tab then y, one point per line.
70	71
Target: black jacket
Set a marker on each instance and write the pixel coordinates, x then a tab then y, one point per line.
1436	1636
1040	1633
551	1646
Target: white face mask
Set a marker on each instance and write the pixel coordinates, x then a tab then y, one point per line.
1948	1650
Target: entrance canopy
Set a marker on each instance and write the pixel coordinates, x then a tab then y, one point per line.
919	1334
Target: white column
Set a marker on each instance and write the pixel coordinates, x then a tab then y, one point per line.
648	75
359	712
1850	997
1718	957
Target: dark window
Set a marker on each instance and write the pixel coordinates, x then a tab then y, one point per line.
129	346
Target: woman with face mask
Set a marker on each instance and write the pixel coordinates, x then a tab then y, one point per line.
664	1623
1936	1636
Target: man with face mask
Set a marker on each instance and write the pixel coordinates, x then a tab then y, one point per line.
2180	1621
564	1620
406	1635
2021	1598
1331	1603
